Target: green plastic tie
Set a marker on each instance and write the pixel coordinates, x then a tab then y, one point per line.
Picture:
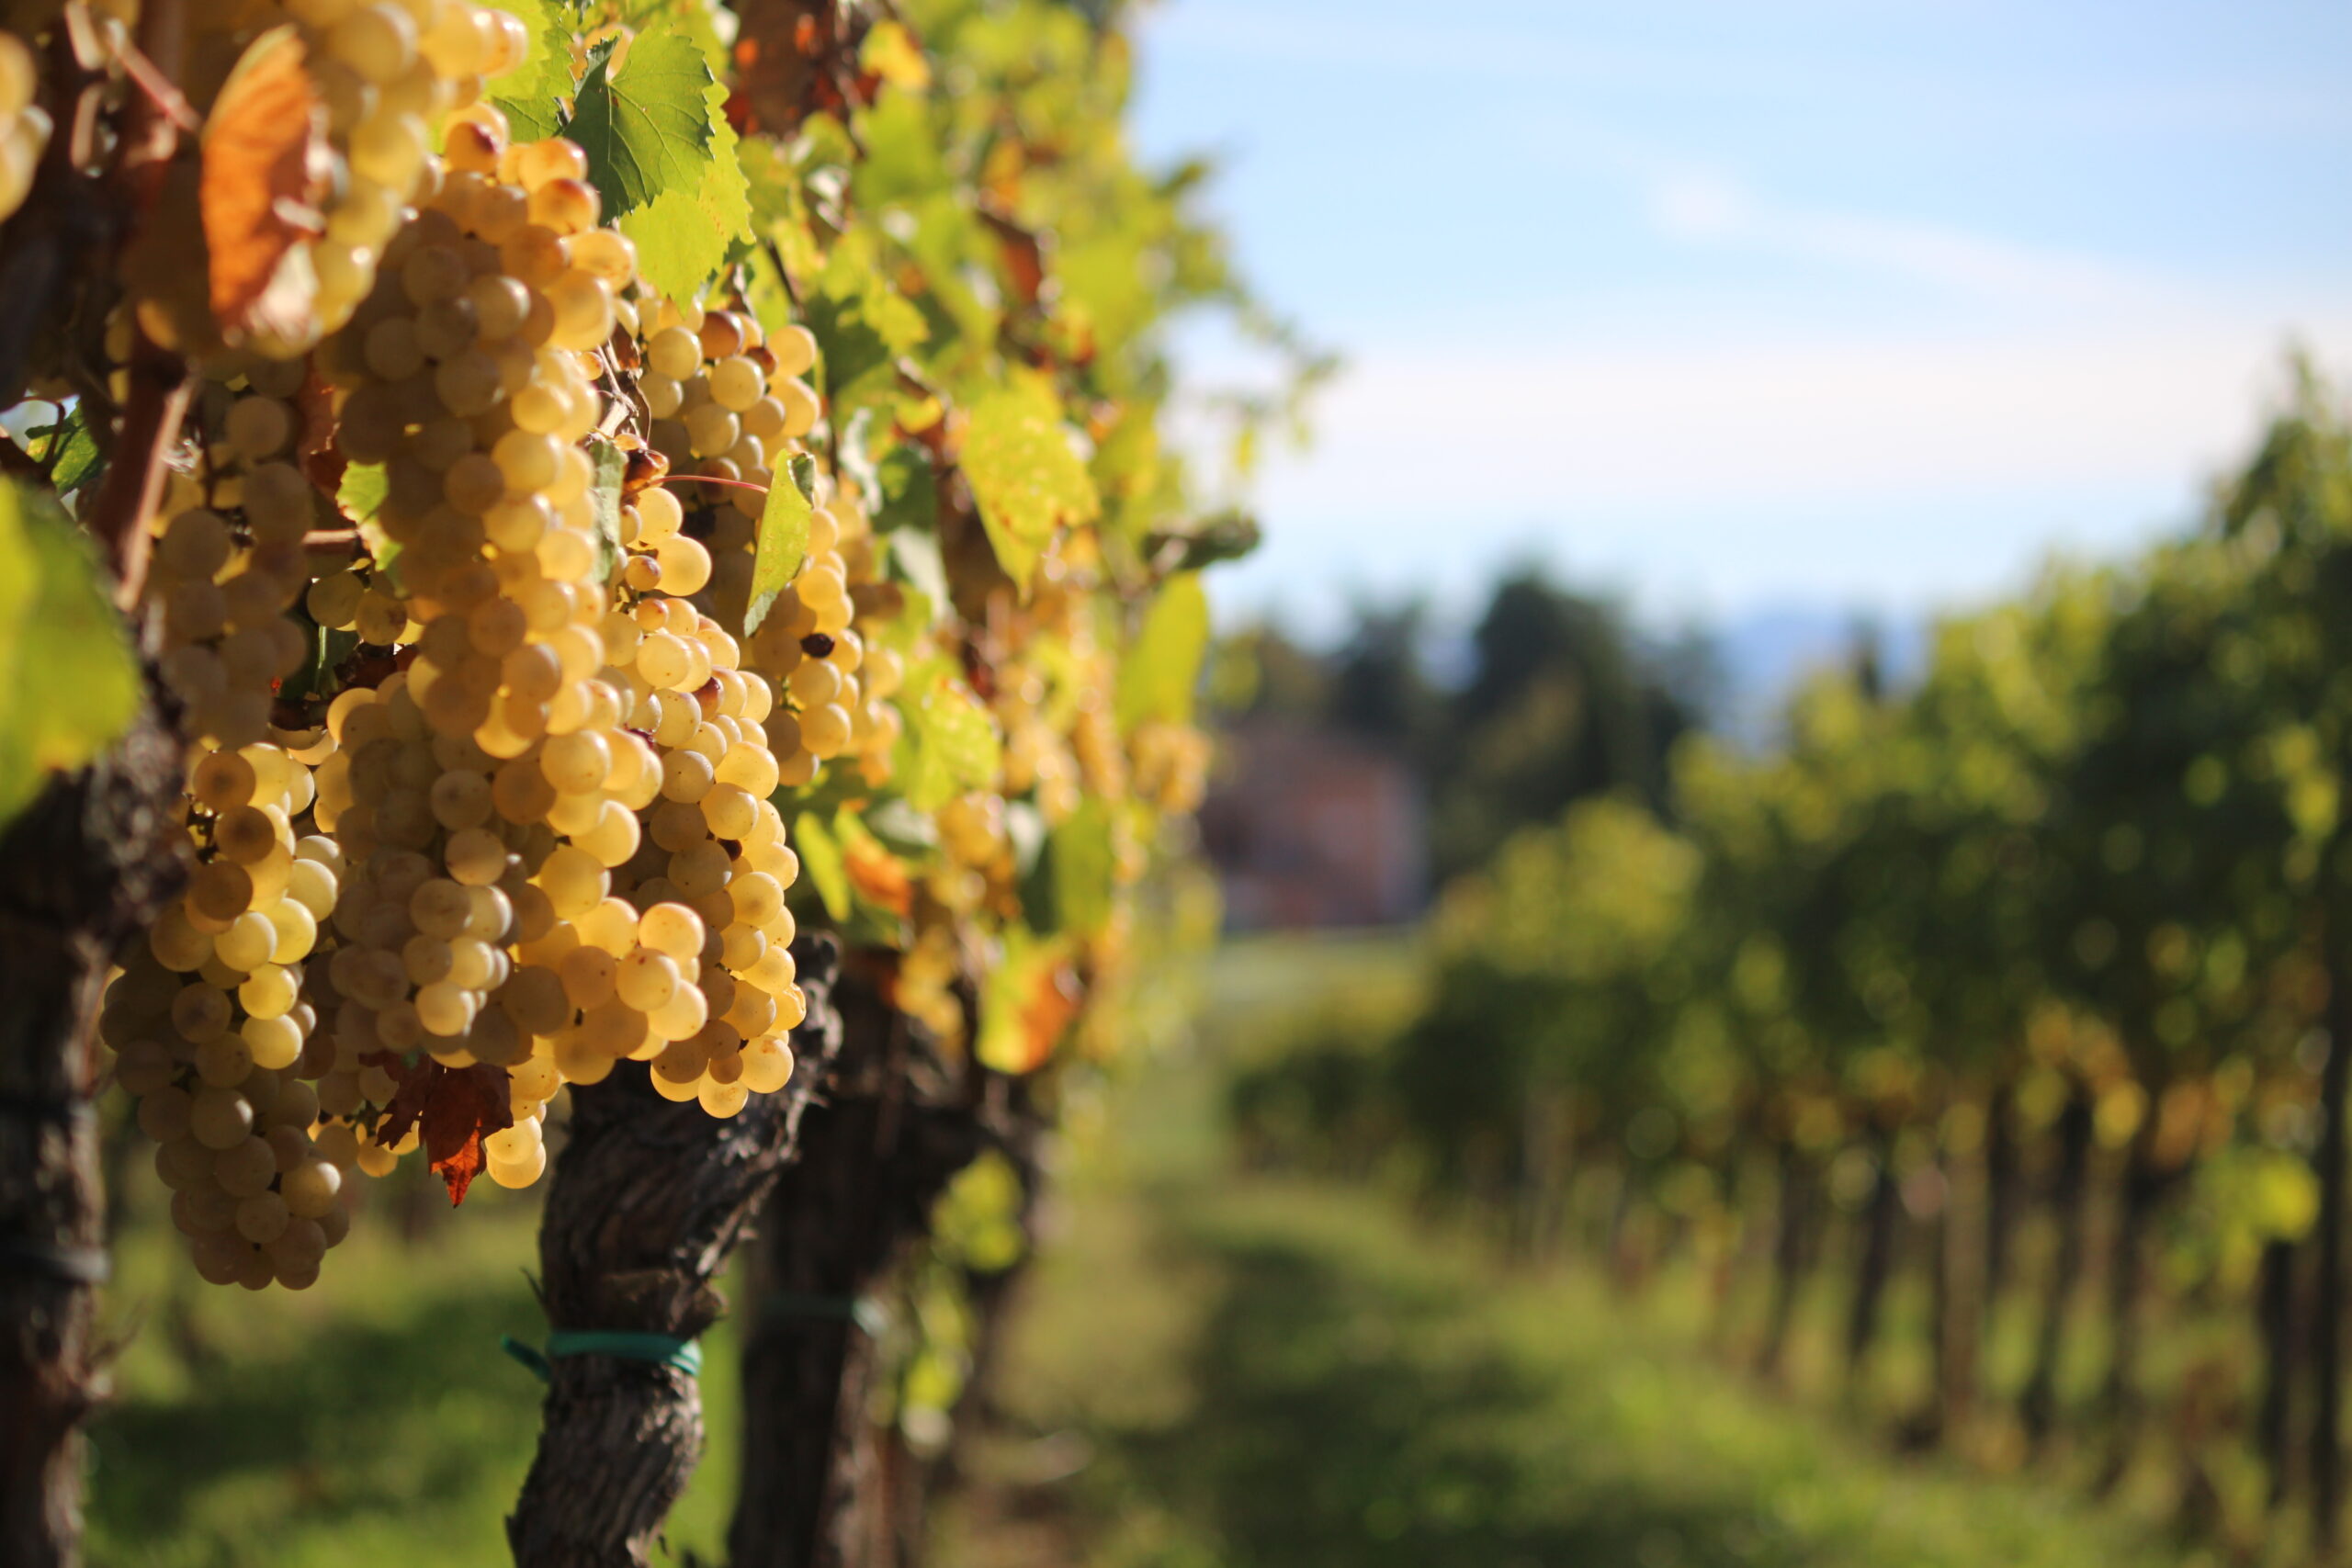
680	1356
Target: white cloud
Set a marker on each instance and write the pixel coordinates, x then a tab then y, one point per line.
1707	208
1901	471
1530	428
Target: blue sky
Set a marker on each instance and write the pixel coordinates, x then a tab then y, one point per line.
1734	305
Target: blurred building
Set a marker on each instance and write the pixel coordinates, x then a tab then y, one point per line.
1307	827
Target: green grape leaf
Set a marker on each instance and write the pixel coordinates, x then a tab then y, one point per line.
685	234
69	684
609	463
861	320
1070	889
647	129
69	451
821	863
905	153
1026	475
782	543
953	745
1163	664
901	489
362	491
909	487
693	18
359	497
533	95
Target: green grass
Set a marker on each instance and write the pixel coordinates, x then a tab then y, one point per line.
1210	1370
373	1418
1297	1376
1272	1372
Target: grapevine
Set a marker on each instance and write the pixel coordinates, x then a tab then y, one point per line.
636	625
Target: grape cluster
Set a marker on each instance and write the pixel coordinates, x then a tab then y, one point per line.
493	786
389	71
725	401
681	955
228	559
212	1024
537	837
213	1019
810	646
728	405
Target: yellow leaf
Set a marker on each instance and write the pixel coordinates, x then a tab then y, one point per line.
891	53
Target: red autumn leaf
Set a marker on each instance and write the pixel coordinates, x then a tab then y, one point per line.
453	1109
461	1167
266	168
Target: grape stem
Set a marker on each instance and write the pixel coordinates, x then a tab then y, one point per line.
710	479
167	99
126	497
151	135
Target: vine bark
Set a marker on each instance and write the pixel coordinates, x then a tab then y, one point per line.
648	1202
817	1477
89	863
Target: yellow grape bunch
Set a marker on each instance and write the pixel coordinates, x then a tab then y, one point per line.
525	827
728	402
839	679
372	81
213	1019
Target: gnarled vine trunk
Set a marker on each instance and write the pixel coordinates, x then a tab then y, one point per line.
2000	1199
1791	1249
89	862
818	1480
2069	1190
646	1202
2119	1404
1875	1266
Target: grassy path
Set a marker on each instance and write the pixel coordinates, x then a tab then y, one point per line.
1264	1373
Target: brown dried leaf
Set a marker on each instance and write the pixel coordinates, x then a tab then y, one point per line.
265	169
467	1105
453	1108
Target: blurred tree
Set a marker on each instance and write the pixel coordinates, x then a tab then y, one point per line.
1563	702
1379	687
